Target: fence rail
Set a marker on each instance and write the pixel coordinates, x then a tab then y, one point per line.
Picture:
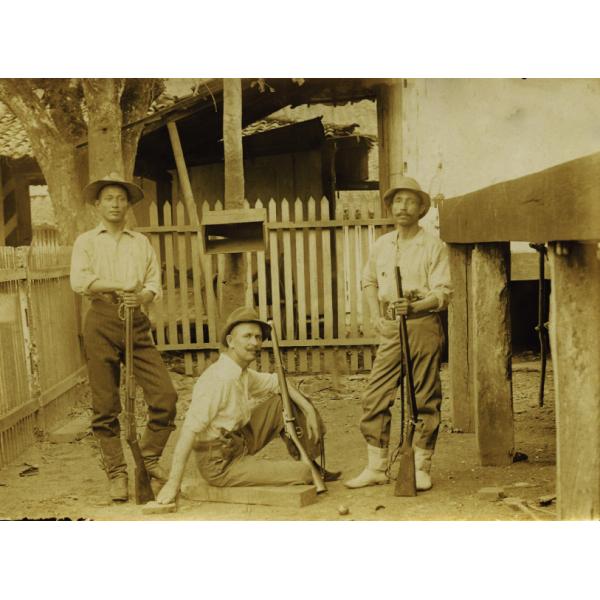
308	281
41	362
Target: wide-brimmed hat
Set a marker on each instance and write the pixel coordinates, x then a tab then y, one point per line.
92	190
244	314
408	183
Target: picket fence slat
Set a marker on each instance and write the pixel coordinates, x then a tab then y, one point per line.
308	281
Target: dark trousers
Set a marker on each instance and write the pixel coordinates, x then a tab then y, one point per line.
104	343
426	337
230	461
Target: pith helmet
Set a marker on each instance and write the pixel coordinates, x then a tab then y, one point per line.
244	314
92	190
408	183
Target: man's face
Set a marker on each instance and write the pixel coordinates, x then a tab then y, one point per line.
113	203
406	207
245	340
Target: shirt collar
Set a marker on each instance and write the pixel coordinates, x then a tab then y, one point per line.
101	228
419	238
230	366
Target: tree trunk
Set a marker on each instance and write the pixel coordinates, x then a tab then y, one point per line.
105	119
234	280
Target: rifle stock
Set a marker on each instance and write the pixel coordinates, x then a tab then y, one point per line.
288	414
142	488
406	484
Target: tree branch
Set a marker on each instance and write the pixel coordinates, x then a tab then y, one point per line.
21	98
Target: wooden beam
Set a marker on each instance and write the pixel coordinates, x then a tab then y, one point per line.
560	203
459	340
491	340
182	173
574	333
389	132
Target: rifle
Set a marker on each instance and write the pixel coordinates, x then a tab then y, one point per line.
289	420
142	488
406	484
541	325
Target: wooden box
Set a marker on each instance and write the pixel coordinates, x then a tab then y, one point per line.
232	231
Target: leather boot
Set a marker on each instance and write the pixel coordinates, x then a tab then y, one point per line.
113	462
422	468
152	445
374	472
327	475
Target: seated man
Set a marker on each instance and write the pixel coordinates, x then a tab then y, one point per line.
235	412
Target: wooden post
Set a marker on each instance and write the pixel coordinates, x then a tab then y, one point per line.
182	174
460	360
574	334
234	284
389	133
492	375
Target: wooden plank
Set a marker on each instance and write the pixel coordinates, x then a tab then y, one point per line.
524	266
291	496
288	280
182	245
170	277
197	271
274	267
313	288
155	241
211	301
459	341
182	174
57	390
299	238
7	275
575	331
18	414
354	282
49	272
494	425
365	321
560	203
261	274
178	228
333	342
331	224
327	285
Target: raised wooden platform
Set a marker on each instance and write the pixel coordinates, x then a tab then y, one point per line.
294	496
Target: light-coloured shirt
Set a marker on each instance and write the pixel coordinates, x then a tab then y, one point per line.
224	397
424	267
98	255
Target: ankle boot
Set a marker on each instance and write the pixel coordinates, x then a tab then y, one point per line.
374	472
152	445
422	468
113	462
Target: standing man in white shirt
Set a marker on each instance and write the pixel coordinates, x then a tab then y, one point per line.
423	263
113	265
235	412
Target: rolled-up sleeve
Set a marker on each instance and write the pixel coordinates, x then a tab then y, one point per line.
204	407
82	274
439	276
369	272
262	385
152	281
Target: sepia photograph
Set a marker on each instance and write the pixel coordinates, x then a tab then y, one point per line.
282	299
236	309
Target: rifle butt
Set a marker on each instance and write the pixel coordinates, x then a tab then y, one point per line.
406	483
142	489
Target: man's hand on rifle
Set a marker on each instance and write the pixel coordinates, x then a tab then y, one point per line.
400	307
134	296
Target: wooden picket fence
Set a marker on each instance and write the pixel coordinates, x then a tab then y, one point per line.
308	281
41	362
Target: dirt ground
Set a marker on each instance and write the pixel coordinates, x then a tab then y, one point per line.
70	484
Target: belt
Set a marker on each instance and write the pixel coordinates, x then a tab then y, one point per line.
106	297
415	315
